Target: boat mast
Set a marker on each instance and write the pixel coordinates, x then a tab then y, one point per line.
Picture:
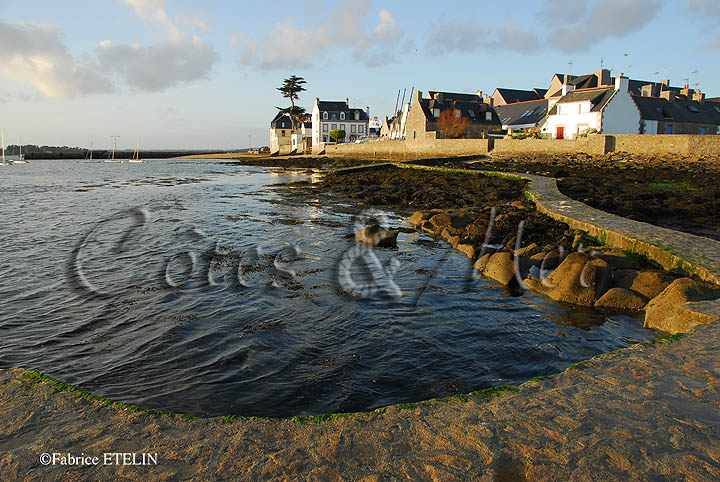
114	138
91	146
3	148
21	158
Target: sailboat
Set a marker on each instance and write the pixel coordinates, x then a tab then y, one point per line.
136	155
88	155
3	149
20	159
112	158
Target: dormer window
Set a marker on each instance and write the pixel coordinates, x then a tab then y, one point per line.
342	115
325	115
436	112
692	108
357	115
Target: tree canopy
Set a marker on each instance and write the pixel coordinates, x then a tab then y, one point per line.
453	124
337	134
290	89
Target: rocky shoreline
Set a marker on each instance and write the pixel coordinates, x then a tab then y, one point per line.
582	272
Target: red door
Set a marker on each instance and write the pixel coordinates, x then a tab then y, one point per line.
560	133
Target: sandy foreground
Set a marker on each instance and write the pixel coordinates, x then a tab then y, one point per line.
650	412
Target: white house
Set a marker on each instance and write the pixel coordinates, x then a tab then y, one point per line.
337	115
281	134
606	109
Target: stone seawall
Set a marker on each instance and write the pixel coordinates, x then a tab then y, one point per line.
405	149
681	144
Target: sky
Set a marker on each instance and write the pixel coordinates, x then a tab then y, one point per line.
203	75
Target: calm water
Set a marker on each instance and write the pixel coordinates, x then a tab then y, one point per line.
162	332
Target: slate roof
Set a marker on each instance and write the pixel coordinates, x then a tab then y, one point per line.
513	96
522	113
637	85
659	109
455	96
585	81
598	97
473	110
281	121
334	108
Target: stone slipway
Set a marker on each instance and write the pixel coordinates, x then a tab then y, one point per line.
649	412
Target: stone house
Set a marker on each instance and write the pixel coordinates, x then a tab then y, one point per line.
332	115
281	134
678	114
423	115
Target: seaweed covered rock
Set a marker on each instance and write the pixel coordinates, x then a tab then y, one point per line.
580	279
647	283
622	298
671	312
377	236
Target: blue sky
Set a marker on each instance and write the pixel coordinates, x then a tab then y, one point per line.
181	74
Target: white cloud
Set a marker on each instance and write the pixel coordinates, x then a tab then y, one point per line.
444	38
35	54
710	11
160	65
563	11
608	18
288	45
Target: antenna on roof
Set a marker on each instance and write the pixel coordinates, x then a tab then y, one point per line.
571	65
602	63
656	77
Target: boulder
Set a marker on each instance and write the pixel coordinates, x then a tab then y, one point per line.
618	259
461	221
528	251
468	249
417	218
647	283
671	310
622	298
441	220
377	236
450	237
478	229
580	279
498	266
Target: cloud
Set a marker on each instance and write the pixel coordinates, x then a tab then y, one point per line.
517	39
708	10
608	18
563	11
35	54
444	38
158	66
288	45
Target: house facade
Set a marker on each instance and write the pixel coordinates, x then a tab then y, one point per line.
281	132
424	114
337	115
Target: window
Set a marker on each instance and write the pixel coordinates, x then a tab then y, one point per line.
357	115
436	112
352	128
325	115
717	108
324	138
506	120
692	108
457	113
669	129
333	127
472	113
325	127
342	115
283	133
703	131
488	116
360	129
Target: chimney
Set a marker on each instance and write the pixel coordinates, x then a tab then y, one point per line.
317	100
698	97
603	76
622	83
668	95
347	101
479	94
418	96
567	88
665	82
647	90
439	97
367	110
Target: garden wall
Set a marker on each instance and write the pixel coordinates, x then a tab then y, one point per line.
595	144
668	144
412	149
